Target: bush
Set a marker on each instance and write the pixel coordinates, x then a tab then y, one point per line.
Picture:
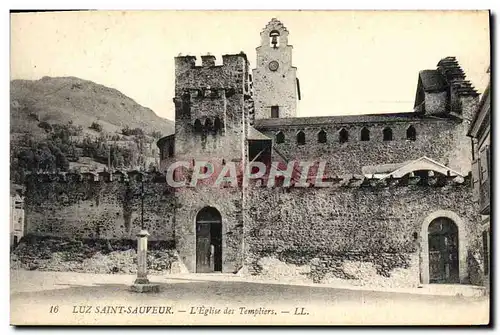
127	131
45	126
96	126
34	116
156	134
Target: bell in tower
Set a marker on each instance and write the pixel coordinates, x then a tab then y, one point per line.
274	38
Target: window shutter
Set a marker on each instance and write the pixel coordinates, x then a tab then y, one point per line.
483	162
475	179
488	167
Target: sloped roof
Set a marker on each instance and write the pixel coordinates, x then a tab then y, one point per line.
455	75
254	134
382	168
423	163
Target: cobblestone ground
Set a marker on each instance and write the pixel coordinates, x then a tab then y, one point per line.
75	298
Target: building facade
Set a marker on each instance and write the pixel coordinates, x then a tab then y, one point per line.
386	196
479	132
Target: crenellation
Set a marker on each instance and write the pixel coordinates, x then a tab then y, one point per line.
207	61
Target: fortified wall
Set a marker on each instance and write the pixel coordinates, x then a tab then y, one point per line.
99	206
359	229
363	230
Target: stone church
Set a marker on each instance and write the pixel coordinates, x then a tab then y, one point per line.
399	200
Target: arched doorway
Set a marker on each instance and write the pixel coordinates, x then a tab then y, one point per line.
208	240
443	251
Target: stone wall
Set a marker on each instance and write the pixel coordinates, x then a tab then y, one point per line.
443	140
333	230
99	209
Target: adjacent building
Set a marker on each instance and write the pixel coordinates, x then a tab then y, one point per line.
479	132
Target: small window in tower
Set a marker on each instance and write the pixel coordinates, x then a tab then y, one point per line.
322	136
208	124
280	137
197	126
171	150
217	124
274	40
343	136
275	112
365	134
387	134
411	133
301	138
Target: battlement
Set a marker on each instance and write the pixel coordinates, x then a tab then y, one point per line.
211	78
431	179
183	63
102	176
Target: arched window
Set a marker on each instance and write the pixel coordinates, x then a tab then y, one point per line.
411	133
343	136
197	126
301	138
322	136
274	40
280	137
387	134
365	134
217	124
208	124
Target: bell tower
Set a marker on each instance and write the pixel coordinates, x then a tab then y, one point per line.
275	79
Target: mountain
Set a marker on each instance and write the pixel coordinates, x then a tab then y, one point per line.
82	102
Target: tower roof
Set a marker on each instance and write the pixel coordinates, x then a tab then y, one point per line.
455	76
274	24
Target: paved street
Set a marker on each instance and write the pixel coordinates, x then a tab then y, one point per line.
73	298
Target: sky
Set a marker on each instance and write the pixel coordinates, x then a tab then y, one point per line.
347	62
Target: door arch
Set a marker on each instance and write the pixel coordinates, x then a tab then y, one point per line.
443	251
424	258
208	240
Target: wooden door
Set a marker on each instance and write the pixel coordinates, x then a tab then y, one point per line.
443	251
203	248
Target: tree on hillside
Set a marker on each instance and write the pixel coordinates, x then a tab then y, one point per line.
156	134
96	126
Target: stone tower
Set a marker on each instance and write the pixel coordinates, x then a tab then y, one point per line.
276	86
212	107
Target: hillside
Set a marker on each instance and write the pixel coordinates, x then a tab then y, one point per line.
73	124
63	99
